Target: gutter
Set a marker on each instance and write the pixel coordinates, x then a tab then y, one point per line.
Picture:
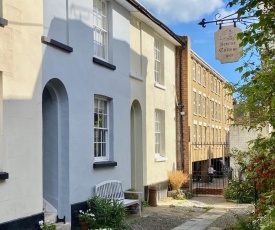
155	20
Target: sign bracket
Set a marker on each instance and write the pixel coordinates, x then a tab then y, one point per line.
225	20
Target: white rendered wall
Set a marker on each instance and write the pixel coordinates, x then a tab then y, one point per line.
20	63
155	98
239	138
138	76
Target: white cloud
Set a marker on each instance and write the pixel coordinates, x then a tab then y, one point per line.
175	11
225	13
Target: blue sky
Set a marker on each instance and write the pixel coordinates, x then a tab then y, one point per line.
183	16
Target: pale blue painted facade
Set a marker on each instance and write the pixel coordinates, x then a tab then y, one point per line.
80	79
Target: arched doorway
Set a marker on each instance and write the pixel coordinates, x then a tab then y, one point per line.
56	148
136	147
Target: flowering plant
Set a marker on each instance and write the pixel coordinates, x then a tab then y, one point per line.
48	226
87	217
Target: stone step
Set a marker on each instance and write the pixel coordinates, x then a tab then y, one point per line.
61	226
50	217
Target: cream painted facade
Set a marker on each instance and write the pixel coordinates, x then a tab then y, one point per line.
20	109
209	107
152	98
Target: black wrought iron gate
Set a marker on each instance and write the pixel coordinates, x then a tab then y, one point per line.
203	155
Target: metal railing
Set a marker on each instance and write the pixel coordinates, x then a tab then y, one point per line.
203	184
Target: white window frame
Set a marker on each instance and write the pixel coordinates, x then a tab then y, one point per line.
100	24
213	136
225	115
194	71
101	138
204	106
158	61
199	74
212	83
216	110
159	135
195	102
204	77
212	109
205	136
200	136
219	112
195	135
199	104
219	137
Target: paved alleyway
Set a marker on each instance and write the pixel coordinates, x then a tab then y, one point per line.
199	213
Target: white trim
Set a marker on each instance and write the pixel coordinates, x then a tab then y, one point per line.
160	158
137	77
195	122
194	90
159	86
200	123
107	138
198	59
204	124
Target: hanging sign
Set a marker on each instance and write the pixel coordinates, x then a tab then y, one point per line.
227	45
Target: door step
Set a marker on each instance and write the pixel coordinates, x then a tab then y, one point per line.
50	217
61	226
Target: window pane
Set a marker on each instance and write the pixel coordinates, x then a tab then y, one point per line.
100	128
96	135
159	138
100	28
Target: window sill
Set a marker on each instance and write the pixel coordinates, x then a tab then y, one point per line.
160	159
4	175
104	164
3	22
157	85
140	78
55	44
104	63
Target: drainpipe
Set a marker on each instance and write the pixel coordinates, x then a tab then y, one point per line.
181	106
181	110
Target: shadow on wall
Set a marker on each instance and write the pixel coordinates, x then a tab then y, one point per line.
82	79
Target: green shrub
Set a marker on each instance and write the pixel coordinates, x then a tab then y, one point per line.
108	213
246	224
242	191
188	194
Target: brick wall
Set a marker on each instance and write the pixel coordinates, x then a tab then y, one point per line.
182	98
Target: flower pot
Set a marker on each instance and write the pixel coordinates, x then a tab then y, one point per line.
84	226
153	197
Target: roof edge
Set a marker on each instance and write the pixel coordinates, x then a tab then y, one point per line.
145	12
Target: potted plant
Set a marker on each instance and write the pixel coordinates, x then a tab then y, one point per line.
176	180
86	219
